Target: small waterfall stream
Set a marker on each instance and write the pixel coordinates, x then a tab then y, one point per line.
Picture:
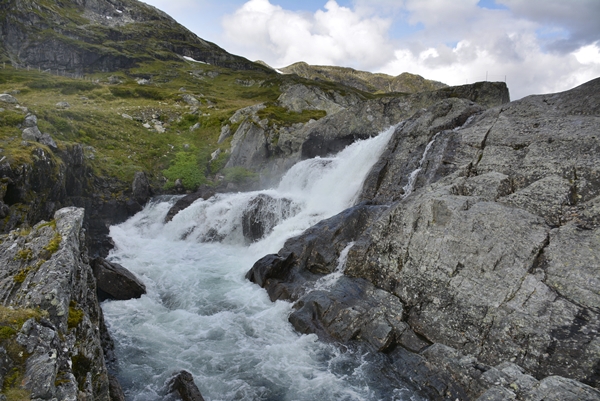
200	314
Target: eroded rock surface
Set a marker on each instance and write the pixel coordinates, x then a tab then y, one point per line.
46	270
487	245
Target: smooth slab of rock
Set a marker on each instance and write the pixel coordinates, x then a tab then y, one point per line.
116	282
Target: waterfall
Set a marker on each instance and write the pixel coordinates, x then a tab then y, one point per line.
200	314
412	178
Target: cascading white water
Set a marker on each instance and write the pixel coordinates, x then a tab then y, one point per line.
200	314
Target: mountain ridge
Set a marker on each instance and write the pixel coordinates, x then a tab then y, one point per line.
364	80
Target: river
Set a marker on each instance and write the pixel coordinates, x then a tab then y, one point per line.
202	315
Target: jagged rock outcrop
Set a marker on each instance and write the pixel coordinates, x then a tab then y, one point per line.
46	270
100	35
489	240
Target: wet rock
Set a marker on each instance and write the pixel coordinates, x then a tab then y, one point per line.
116	391
141	188
351	309
183	384
116	282
262	214
202	193
306	258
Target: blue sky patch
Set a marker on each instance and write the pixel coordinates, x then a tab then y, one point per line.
491	5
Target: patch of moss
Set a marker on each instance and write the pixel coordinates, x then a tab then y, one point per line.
22	275
10	118
25	254
7	332
284	117
51	223
80	367
11	321
54	244
17	394
75	315
61	378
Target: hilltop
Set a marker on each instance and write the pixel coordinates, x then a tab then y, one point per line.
362	80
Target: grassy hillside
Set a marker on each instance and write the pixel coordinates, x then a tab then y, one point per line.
362	80
139	119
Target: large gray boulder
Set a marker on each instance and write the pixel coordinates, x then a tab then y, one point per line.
6	98
116	282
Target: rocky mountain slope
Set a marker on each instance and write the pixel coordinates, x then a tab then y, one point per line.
476	246
82	36
365	81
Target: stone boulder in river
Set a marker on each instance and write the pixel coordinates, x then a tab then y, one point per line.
489	244
116	282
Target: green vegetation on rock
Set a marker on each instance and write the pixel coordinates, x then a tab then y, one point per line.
75	315
11	321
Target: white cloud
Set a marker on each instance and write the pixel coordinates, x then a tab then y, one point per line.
334	36
588	55
459	42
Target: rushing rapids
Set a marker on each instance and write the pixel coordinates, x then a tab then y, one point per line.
200	314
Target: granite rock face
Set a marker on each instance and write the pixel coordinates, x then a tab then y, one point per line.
271	150
486	243
47	270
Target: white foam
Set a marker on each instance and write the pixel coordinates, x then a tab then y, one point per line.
201	314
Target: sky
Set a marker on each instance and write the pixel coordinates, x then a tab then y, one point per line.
536	46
